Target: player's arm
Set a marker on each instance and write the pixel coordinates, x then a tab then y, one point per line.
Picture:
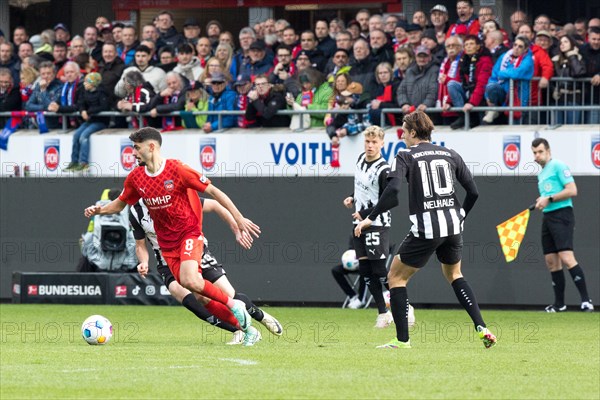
113	207
570	190
387	201
466	180
382	180
246	226
210	205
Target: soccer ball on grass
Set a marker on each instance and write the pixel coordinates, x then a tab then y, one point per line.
96	330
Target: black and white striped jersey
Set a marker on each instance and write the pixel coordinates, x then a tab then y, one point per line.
432	173
143	228
370	179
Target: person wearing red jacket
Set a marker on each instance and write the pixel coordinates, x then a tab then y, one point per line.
475	69
543	68
466	17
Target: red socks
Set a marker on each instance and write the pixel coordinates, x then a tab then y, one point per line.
214	293
335	155
222	312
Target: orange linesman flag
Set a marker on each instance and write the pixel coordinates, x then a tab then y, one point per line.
511	233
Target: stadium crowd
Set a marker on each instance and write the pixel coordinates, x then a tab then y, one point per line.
369	63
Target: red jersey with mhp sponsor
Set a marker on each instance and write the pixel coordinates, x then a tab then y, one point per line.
165	193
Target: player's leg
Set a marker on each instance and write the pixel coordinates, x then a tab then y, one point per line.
449	253
362	246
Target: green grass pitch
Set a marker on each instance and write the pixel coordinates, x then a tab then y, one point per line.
326	353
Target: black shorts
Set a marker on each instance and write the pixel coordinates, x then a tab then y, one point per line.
415	252
374	243
211	274
557	230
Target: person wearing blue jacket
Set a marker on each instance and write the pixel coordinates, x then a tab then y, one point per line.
222	98
515	64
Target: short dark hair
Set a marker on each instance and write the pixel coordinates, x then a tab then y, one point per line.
143	49
419	122
595	29
539	141
61	44
185	48
145	134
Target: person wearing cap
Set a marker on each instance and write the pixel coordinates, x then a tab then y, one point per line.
221	98
92	100
152	74
339	64
171	99
543	39
517	65
302	61
414	33
213	30
62	33
400	36
438	16
188	65
196	99
106	34
438	52
191	31
466	18
419	87
259	63
265	100
475	70
242	87
168	34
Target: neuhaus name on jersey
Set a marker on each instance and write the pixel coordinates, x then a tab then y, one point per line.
428	205
431	153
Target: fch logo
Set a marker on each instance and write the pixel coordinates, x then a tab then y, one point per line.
51	153
208	153
511	153
596	151
127	158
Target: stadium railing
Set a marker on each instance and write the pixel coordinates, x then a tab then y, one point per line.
580	90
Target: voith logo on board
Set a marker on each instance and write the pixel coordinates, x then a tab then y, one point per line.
511	153
596	151
208	153
127	158
51	153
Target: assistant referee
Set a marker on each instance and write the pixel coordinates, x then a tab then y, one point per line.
557	188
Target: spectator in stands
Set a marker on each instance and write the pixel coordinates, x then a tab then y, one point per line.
418	90
265	100
343	40
153	75
302	61
10	98
449	72
93	46
466	17
117	33
325	43
242	87
516	20
414	33
308	43
541	23
171	99
152	46
47	42
9	61
46	91
221	99
86	63
438	52
591	56
25	49
543	39
375	22
381	49
29	77
111	69
348	124
59	52
517	65
568	63
76	47
543	69
340	63
270	37
100	22
336	25
213	31
403	57
191	31
400	38
354	28
485	14
92	100
188	65
290	39
166	58
340	83
242	57
362	19
315	95
129	44
439	18
420	18
280	25
213	66
475	69
362	67
203	50
150	32
285	72
389	24
226	37
71	91
494	43
106	34
61	33
196	100
259	63
137	98
20	36
385	95
168	34
224	54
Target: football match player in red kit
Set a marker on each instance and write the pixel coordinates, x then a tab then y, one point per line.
163	185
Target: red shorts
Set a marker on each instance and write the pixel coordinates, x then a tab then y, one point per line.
190	249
